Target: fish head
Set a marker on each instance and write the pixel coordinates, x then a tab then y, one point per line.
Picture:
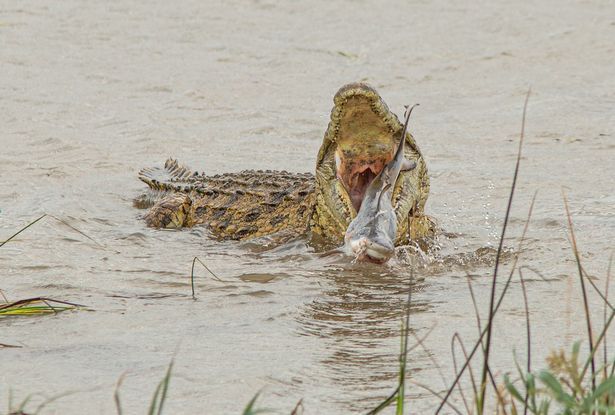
370	237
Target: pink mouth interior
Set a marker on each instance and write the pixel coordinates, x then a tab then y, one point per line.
357	176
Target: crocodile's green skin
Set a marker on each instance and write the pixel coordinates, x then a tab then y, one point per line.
258	203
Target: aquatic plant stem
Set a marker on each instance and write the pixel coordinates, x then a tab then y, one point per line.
65	223
208	270
436	394
497	392
593	350
575	250
389	399
160	394
501	298
612	309
298	407
9	346
404	352
474	304
42	299
606	295
602	336
116	394
398	393
457	337
529	337
22	229
597	290
430	357
483	384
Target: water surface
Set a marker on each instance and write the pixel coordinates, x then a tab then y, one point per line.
92	92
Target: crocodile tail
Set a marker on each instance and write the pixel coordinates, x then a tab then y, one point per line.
173	176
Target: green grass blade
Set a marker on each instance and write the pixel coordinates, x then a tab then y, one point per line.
608	386
21	230
34	306
556	388
512	389
249	409
160	394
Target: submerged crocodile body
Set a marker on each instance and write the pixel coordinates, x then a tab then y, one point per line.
360	140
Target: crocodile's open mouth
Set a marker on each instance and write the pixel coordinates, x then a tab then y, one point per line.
364	144
361	139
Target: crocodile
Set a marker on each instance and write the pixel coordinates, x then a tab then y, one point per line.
360	140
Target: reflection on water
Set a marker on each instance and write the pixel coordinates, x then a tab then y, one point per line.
358	314
359	296
360	308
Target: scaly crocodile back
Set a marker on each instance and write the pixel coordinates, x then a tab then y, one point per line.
239	205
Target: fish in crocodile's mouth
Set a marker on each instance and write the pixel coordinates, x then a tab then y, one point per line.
371	234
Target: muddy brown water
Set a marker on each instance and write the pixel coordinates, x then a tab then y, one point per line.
90	92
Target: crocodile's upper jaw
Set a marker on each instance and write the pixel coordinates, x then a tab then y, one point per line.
361	138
